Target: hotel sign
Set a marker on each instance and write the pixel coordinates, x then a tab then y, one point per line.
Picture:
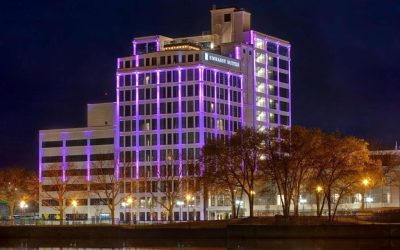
225	61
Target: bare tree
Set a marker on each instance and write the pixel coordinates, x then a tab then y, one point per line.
54	190
106	185
341	167
17	184
217	175
167	186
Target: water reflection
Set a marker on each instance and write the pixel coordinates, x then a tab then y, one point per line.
256	244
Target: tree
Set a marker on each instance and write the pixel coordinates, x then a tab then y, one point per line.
17	184
246	156
291	155
217	175
340	168
106	185
169	184
55	188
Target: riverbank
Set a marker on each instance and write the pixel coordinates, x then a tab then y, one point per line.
204	230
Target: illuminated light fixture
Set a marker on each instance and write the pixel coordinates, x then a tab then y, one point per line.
369	199
181	47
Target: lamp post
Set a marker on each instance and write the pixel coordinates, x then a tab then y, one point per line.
123	204
74	204
129	201
365	183
180	204
23	205
303	201
318	190
188	198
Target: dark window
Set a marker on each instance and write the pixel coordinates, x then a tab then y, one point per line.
73	143
76	172
283	64
51	144
141	48
154	61
51	159
283	77
227	18
284	106
283	51
102	157
102	141
283	92
190	58
162	60
151	47
284	120
102	171
74	158
271	47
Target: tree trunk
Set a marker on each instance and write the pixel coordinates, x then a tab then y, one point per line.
112	215
171	214
251	205
11	206
329	201
233	204
362	200
296	204
317	199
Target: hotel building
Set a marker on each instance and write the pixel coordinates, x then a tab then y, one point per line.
172	95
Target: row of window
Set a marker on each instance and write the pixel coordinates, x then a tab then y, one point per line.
165	139
79	142
80	202
172	76
272	47
159	61
78	172
152	171
165	108
165	155
78	158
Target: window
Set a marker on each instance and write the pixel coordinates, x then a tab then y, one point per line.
227	18
75	158
102	141
51	144
283	51
141	48
151	47
51	159
72	143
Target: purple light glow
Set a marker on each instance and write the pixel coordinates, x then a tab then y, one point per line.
237	52
117	132
266	85
215	105
252	37
201	98
41	136
64	136
88	150
158	44
137	124
134	48
254	81
229	104
158	124
180	120
290	89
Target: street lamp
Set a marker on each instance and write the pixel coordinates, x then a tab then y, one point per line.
74	204
180	204
123	204
188	198
23	205
303	201
318	190
129	201
365	183
369	200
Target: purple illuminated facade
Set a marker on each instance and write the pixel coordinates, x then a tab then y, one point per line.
174	94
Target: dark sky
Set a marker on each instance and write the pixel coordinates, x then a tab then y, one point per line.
57	56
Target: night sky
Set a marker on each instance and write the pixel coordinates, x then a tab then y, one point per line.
56	57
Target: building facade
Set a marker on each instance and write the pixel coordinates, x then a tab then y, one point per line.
172	95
